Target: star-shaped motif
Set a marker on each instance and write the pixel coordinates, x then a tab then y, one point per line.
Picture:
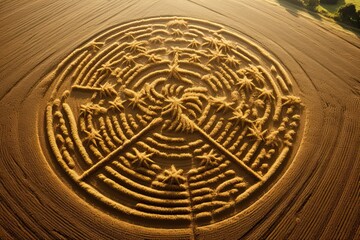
232	60
177	23
174	106
117	104
177	32
136	46
216	55
129	59
252	72
194	58
86	109
211	42
226	45
240	116
257	132
209	159
92	136
106	67
221	103
265	93
173	176
141	158
174	68
246	83
194	43
135	98
154	58
157	39
108	89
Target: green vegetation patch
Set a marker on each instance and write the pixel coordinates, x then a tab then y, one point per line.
346	11
332	6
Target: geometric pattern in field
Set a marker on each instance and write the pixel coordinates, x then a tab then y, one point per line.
171	122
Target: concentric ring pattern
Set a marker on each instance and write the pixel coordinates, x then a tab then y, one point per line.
171	122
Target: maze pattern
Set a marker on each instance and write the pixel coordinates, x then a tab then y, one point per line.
171	119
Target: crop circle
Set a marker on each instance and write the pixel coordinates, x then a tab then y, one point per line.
171	122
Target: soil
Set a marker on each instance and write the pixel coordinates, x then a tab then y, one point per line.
177	120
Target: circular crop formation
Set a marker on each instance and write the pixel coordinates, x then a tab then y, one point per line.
171	122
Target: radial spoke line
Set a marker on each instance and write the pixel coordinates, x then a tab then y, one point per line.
227	153
86	88
127	143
